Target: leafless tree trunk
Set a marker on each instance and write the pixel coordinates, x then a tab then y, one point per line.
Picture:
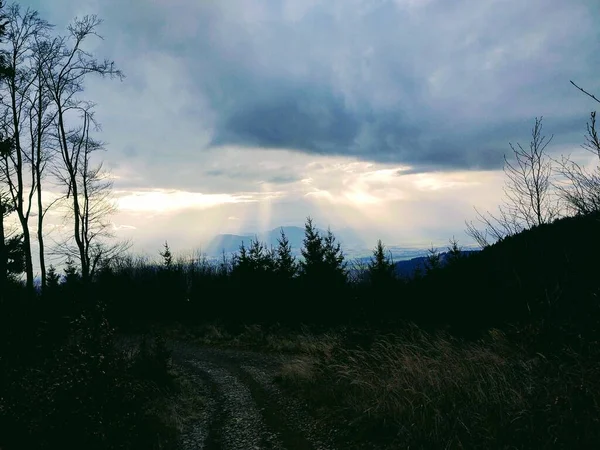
93	188
529	199
22	30
64	75
41	118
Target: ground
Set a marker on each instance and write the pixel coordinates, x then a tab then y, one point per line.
244	408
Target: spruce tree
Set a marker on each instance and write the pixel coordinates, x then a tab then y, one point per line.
313	251
333	257
71	272
433	261
381	268
52	278
285	263
261	259
167	257
454	251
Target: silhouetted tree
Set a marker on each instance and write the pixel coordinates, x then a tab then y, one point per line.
454	251
65	70
433	261
261	259
333	257
167	257
313	251
286	266
71	272
53	278
18	118
381	267
528	192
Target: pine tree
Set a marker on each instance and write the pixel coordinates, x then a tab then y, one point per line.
313	250
333	256
71	272
261	259
285	262
52	278
433	261
241	260
167	257
454	251
381	268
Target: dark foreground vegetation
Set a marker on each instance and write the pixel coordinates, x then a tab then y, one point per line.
497	349
67	381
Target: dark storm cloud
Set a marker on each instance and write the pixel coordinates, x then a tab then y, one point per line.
379	102
433	84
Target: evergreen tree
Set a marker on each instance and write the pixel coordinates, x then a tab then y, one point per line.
52	278
167	257
71	272
333	257
241	260
454	251
313	250
433	261
381	268
285	262
261	259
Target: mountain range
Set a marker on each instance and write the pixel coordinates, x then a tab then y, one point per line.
230	243
353	245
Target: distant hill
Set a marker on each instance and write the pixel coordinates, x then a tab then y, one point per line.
548	271
408	267
230	243
354	247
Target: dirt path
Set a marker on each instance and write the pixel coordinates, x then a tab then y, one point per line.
245	408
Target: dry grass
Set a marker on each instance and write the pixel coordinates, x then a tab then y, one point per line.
183	406
256	337
418	390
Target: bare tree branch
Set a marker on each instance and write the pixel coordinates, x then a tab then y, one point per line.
585	92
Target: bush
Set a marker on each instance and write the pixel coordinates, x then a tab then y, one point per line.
75	389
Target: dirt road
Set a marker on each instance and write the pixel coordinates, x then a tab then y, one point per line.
245	409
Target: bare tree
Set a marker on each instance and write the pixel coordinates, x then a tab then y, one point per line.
41	117
580	187
93	187
529	198
529	186
64	74
19	169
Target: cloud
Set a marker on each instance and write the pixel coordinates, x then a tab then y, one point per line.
390	116
432	84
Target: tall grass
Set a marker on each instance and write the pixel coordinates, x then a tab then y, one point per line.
421	390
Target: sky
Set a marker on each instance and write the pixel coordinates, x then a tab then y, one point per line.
390	117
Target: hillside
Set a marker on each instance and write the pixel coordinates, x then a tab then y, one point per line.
547	271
